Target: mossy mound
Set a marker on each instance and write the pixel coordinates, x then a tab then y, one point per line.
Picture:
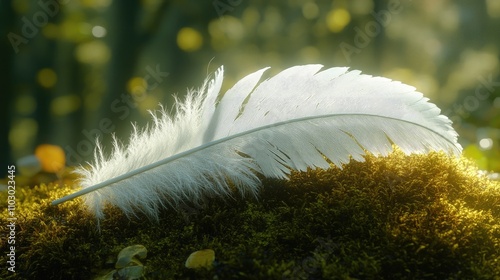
398	217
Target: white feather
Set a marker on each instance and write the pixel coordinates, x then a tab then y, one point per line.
290	121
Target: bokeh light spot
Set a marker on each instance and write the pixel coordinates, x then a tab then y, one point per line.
66	104
99	31
310	10
137	86
493	8
189	39
51	157
23	131
95	52
486	143
337	20
46	77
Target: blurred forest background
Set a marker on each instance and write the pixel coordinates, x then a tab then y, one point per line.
72	70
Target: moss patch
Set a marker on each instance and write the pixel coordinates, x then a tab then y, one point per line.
419	216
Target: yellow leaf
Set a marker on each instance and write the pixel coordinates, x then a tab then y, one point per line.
203	258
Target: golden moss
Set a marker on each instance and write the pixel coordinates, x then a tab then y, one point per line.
419	216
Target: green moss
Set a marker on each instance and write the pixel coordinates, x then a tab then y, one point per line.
419	216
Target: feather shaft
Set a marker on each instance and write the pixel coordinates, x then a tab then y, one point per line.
204	146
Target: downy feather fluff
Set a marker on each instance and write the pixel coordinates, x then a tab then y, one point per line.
297	119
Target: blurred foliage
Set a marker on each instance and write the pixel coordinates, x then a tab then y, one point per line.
75	70
401	217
